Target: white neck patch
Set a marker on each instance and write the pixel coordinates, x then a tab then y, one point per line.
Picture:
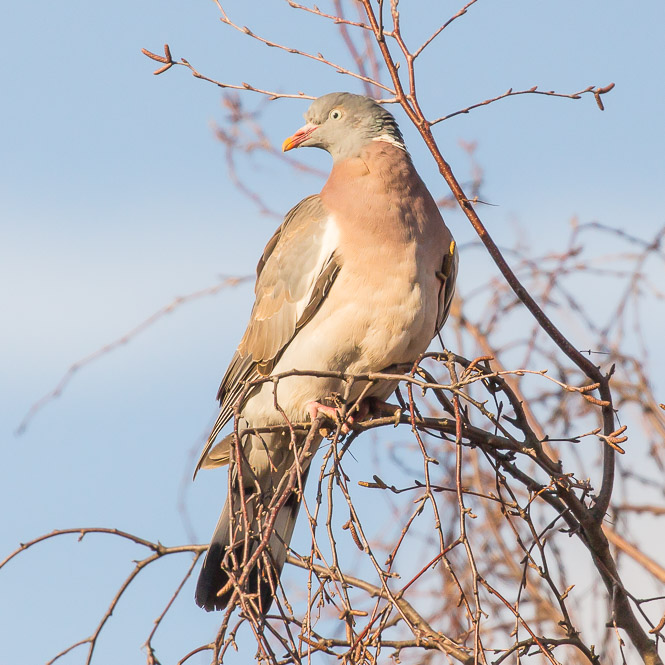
386	138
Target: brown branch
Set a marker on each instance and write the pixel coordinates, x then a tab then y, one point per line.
520	486
159	551
318	57
415	114
629	507
272	94
442	27
336	18
543	649
654	568
351	47
425	631
193	652
152	660
530	91
158	548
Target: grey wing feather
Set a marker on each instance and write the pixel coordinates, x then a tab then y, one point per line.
293	279
448	277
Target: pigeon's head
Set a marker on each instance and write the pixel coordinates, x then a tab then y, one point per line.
343	124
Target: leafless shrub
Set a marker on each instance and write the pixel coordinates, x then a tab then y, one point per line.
491	501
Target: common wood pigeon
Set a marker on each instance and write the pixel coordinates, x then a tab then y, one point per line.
357	278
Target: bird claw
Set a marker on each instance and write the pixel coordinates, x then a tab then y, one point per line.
371	407
316	409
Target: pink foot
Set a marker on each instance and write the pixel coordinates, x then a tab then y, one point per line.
316	408
359	413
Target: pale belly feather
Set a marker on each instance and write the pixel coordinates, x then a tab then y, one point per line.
367	331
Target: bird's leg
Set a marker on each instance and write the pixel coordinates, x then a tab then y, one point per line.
377	407
335	413
369	406
316	408
360	410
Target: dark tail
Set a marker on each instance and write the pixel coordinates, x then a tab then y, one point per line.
227	552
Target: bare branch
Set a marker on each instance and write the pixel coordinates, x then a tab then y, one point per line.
596	92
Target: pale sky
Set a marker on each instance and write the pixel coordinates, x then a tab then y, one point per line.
114	199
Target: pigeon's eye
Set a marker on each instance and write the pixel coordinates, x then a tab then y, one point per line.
335	114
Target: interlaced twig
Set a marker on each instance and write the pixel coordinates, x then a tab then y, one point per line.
462	548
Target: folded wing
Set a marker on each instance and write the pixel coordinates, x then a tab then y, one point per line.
295	273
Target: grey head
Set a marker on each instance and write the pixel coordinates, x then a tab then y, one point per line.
343	124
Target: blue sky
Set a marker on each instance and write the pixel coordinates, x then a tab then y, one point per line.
114	199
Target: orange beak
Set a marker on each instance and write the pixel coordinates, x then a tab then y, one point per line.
299	137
